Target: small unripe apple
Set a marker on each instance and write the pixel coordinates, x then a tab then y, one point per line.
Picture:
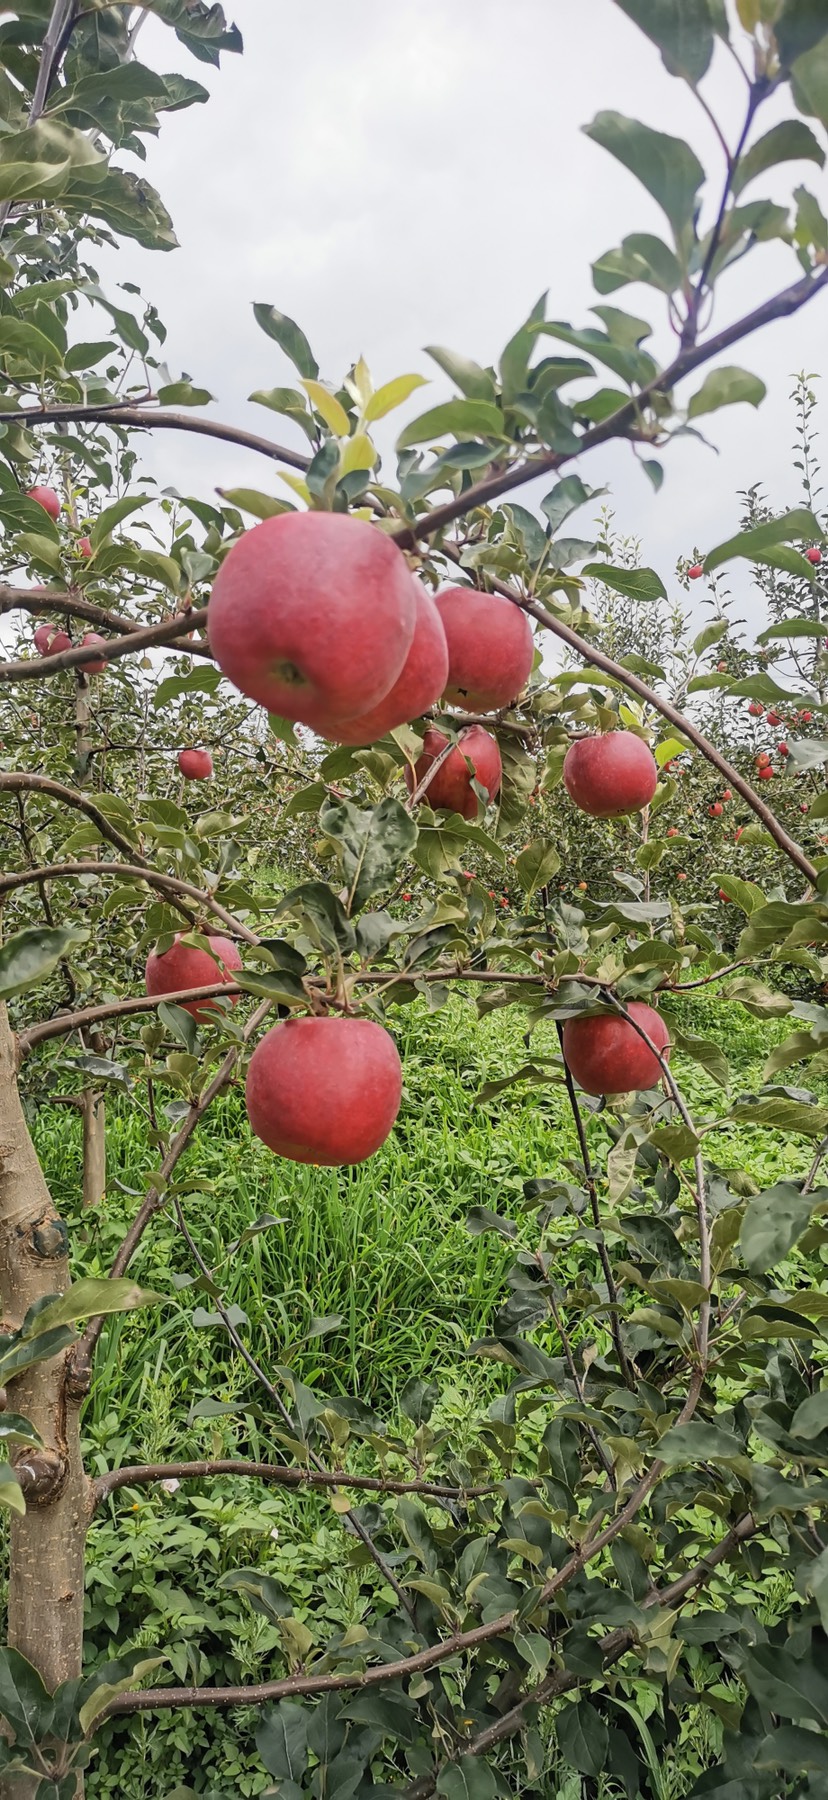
184	966
756	709
99	665
681	875
610	775
49	639
582	886
312	615
45	497
716	809
803	806
766	774
324	1090
195	765
490	648
450	789
606	1055
695	571
672	831
420	683
814	555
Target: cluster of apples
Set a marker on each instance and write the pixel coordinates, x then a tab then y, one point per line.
317	617
50	639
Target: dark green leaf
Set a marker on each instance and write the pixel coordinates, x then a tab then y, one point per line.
681	29
582	1737
758	538
34	953
282	1741
726	387
636	584
790	141
665	166
474	382
371	843
289	337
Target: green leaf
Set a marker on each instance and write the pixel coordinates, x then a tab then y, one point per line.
289	337
800	523
473	381
468	1779
790	141
11	1497
33	954
371	843
785	1684
392	394
811	225
24	343
801	25
182	393
640	257
707	1054
321	914
746	894
681	30
793	1749
792	628
811	1416
455	418
536	865
665	166
726	387
698	1442
262	506
110	1690
565	498
636	584
329	408
85	1300
772	1223
24	1701
582	1737
113	515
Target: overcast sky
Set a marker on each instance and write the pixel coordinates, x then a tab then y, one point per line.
415	173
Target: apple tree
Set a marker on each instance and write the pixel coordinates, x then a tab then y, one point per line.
369	648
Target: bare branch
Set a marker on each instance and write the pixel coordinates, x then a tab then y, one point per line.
144	418
136	872
36	668
146	1474
15	782
73	605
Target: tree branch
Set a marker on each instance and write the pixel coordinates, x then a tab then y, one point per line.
36	668
138	872
72	605
145	1474
147	418
492	487
15	782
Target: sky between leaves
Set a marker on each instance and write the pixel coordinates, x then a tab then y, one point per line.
393	176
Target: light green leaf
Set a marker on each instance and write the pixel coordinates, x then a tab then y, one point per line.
726	387
456	418
110	1690
536	865
262	506
392	394
85	1300
11	1494
289	337
790	141
473	381
331	409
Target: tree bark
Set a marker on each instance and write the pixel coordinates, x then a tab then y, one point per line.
46	1582
94	1147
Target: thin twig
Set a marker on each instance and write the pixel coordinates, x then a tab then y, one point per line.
137	872
16	781
592	1191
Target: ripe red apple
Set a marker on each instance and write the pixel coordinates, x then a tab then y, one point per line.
605	1054
183	966
783	749
45	497
423	678
806	717
762	759
766	774
774	718
99	665
609	775
49	639
803	806
490	648
312	615
727	794
716	809
450	789
694	572
672	831
84	546
723	896
195	765
756	709
814	555
681	875
324	1090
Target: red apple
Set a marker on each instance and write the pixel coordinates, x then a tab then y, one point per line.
681	875
803	806
774	718
756	709
694	572
727	794
716	809
762	759
99	665
312	615
672	831
609	775
421	682
45	497
324	1090
49	639
195	765
723	896
766	774
183	966
814	555
490	648
450	789
84	546
806	717
783	749
605	1054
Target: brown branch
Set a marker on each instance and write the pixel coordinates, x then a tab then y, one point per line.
79	1360
36	668
72	605
592	1191
15	782
138	872
147	418
144	1474
781	305
64	1023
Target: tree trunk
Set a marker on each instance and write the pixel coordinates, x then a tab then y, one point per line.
94	1148
46	1582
